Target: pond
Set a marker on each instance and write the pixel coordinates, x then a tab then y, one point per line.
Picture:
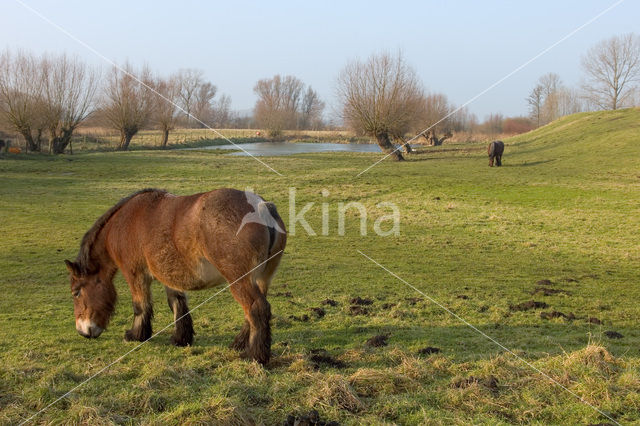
259	149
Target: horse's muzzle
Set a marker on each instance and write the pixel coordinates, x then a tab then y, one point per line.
88	329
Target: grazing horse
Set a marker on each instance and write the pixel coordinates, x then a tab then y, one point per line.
495	150
187	243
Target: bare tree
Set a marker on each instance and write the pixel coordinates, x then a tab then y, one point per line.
278	103
69	88
222	112
128	104
438	117
311	110
203	102
535	101
381	97
165	111
550	100
612	68
21	98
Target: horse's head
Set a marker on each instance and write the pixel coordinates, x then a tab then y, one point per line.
94	300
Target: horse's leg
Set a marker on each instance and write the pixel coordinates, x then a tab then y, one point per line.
263	281
257	313
499	160
241	340
490	161
183	334
140	285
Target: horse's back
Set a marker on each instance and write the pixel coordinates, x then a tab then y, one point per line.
495	148
190	242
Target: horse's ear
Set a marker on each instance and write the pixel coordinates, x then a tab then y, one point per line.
72	267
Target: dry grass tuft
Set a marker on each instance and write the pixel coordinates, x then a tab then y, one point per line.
369	382
335	391
594	356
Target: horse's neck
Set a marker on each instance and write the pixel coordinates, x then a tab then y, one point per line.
100	255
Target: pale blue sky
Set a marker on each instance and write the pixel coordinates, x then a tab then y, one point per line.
457	47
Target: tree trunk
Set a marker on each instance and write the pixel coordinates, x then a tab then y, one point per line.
165	138
31	145
125	140
386	146
406	146
60	143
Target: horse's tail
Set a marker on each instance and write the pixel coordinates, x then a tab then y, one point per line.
277	232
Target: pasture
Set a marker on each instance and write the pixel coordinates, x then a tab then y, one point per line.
557	224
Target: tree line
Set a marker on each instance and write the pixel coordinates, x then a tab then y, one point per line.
45	98
611	76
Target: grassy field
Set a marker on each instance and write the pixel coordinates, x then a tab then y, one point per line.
558	224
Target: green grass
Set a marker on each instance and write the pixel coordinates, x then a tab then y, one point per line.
476	239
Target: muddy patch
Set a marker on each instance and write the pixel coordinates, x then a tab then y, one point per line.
361	302
377	341
388	306
301	318
308	419
318	312
358	310
596	321
544	282
613	334
557	314
429	350
546	291
413	300
286	294
462	296
527	306
322	358
329	302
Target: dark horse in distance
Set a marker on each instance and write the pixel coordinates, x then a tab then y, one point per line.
495	150
187	243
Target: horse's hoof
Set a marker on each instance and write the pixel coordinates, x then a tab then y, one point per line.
181	341
131	336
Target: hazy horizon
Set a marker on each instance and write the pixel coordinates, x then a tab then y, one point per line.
457	49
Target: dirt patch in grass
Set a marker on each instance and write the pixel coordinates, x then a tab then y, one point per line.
358	310
283	294
557	314
544	282
613	334
309	419
377	341
329	302
360	301
594	320
320	357
528	305
413	300
318	312
301	318
387	306
546	291
428	350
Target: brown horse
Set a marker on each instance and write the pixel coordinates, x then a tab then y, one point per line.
495	151
187	243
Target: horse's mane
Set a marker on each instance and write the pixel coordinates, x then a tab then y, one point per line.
84	256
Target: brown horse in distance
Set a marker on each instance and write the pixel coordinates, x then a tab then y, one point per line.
495	151
187	243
